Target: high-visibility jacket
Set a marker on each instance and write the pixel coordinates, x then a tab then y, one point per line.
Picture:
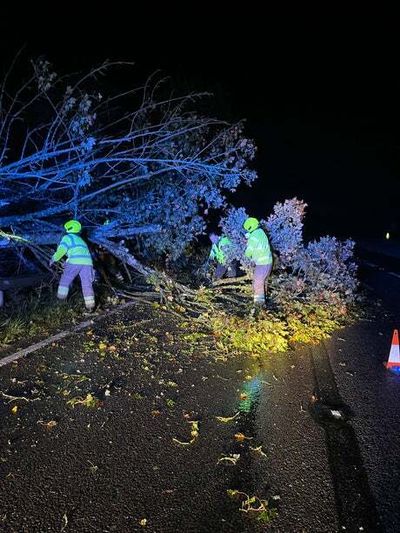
217	250
258	249
76	249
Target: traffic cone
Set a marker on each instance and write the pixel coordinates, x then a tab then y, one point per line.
394	355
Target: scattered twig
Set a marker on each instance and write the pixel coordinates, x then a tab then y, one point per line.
227	419
13	398
231	458
64	522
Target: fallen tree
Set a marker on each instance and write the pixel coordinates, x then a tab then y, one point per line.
140	169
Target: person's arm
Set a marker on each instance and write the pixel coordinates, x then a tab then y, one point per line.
250	247
212	252
62	249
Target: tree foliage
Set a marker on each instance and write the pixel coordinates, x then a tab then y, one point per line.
139	168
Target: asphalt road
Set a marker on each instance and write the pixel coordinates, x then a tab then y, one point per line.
326	419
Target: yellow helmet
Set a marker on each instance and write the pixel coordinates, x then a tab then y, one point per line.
250	224
72	226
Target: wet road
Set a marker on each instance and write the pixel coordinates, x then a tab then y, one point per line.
117	467
326	419
337	465
357	356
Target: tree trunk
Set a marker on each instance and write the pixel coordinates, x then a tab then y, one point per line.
123	254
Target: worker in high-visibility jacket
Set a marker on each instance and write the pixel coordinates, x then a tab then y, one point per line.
218	251
79	263
259	251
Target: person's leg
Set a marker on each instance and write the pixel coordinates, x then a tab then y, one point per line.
68	276
220	271
259	276
268	273
86	275
232	270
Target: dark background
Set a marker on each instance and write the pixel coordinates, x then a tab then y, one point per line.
320	92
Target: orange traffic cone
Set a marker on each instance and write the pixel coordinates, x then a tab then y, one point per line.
394	355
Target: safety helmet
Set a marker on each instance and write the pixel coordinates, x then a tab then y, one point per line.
72	226
250	224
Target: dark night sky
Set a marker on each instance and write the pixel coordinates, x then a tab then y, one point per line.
321	98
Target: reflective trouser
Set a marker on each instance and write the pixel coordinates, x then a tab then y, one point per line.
229	270
260	280
86	274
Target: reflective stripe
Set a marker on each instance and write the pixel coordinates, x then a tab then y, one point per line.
89	302
258	248
83	261
78	252
76	249
62	292
264	260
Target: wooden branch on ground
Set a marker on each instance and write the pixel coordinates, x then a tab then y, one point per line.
11	398
230	281
20	282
